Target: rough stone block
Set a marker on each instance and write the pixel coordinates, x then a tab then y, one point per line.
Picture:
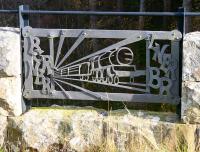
3	127
10	72
191	57
11	102
191	102
190	109
89	129
10	52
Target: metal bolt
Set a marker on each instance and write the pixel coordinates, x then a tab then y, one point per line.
148	36
100	98
51	92
26	93
50	35
84	33
62	32
28	30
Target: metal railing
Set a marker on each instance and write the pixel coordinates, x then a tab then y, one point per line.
49	72
117	73
24	13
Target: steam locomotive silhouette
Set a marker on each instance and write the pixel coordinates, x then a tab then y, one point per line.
108	67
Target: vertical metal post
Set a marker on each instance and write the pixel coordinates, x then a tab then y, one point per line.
147	64
181	20
181	28
23	18
23	21
51	47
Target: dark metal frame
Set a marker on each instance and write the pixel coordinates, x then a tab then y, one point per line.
168	63
24	21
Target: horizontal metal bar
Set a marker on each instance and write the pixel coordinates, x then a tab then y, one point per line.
115	34
192	13
77	95
9	11
111	13
103	13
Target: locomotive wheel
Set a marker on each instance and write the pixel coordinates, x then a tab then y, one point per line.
110	80
131	80
104	79
116	79
101	79
98	79
93	79
86	77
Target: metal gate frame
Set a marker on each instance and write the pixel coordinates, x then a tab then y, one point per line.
50	65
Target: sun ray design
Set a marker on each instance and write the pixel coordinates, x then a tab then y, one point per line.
61	41
96	95
107	84
124	42
113	69
63	90
73	47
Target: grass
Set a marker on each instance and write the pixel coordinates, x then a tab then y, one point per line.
109	145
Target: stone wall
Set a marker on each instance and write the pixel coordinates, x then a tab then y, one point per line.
11	102
93	130
191	78
89	129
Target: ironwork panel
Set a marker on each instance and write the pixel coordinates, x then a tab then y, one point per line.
53	69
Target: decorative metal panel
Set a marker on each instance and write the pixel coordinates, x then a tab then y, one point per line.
57	68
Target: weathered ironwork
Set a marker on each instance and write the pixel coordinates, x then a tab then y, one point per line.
48	74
